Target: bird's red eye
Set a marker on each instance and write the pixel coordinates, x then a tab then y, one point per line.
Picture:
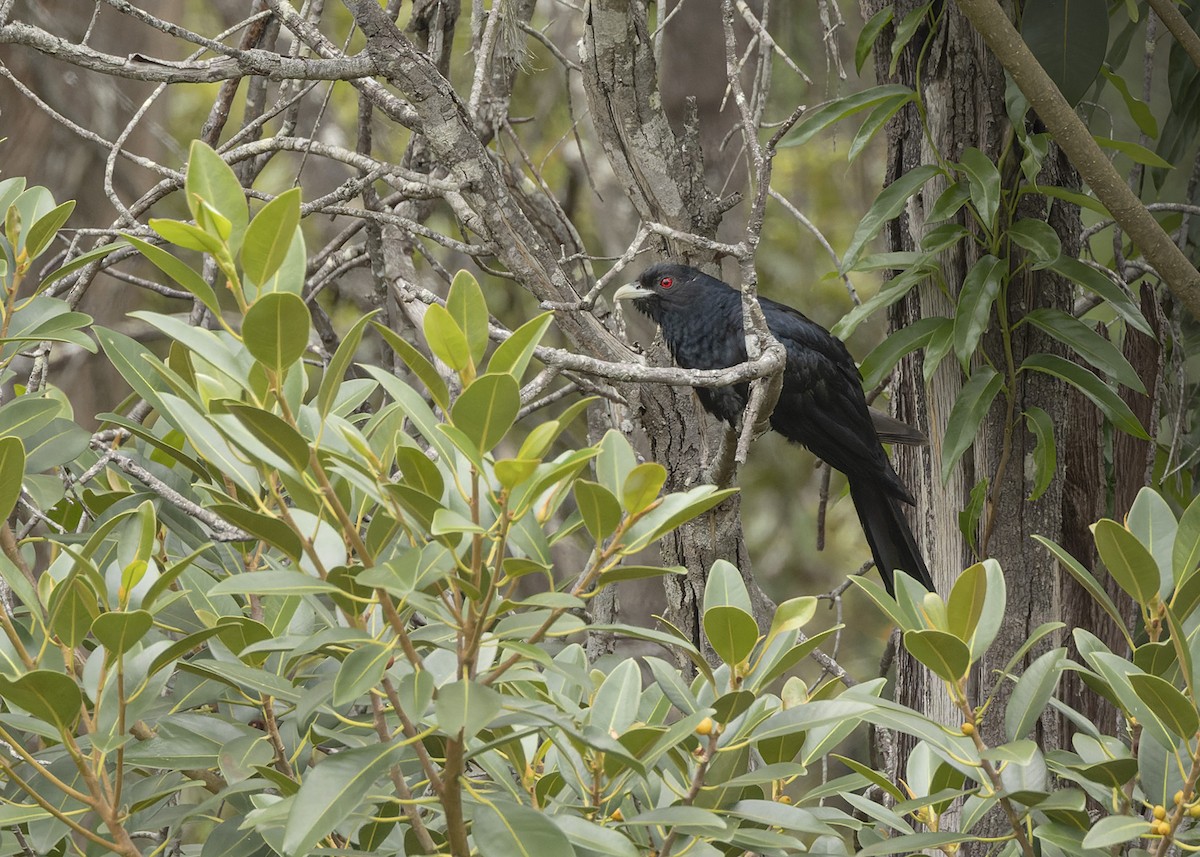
666	282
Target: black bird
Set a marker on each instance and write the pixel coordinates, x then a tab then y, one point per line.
821	404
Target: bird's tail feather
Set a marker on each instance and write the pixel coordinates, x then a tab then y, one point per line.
888	534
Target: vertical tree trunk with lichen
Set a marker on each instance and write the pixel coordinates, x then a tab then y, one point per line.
961	88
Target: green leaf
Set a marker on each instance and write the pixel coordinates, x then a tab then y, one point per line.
1154	524
446	339
1045	453
601	511
1088	582
1069	38
1087	383
120	632
273	432
49	695
967	414
182	273
1039	238
1087	343
332	791
468	308
945	654
276	330
614	461
465	706
487	409
950	201
78	262
72	609
1032	693
1101	286
1167	703
42	232
1185	554
887	354
504	829
732	632
891	292
1115	829
335	372
965	604
725	588
1135	152
875	122
1127	560
209	179
791	615
974	309
642	486
360	671
840	108
272	582
968	517
513	354
418	364
869	35
984	181
887	205
592	838
615	703
12	474
905	30
1139	111
269	236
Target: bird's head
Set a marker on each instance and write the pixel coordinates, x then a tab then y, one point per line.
660	287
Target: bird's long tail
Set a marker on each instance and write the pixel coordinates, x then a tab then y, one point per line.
888	534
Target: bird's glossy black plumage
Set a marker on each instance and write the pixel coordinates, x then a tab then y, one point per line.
821	404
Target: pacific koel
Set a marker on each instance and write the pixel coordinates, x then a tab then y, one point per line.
821	404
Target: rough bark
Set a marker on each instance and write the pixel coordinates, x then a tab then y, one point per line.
962	89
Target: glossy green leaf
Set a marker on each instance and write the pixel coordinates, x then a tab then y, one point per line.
120	632
418	364
732	633
276	330
182	273
945	654
468	308
42	232
950	201
601	511
1127	560
1069	38
1098	284
1139	111
76	263
1174	709
72	609
12	473
967	414
875	122
906	29
984	181
725	588
840	108
49	695
1185	554
1032	693
332	791
273	432
1038	238
210	180
1087	383
965	604
513	354
869	35
883	359
269	236
642	486
360	671
974	311
887	205
505	829
1151	520
791	615
614	705
1088	344
446	339
1088	582
335	371
1135	152
465	706
1115	829
1045	451
487	409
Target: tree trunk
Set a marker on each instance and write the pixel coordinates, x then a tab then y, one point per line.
962	90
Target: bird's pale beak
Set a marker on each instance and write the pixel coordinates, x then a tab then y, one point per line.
631	292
